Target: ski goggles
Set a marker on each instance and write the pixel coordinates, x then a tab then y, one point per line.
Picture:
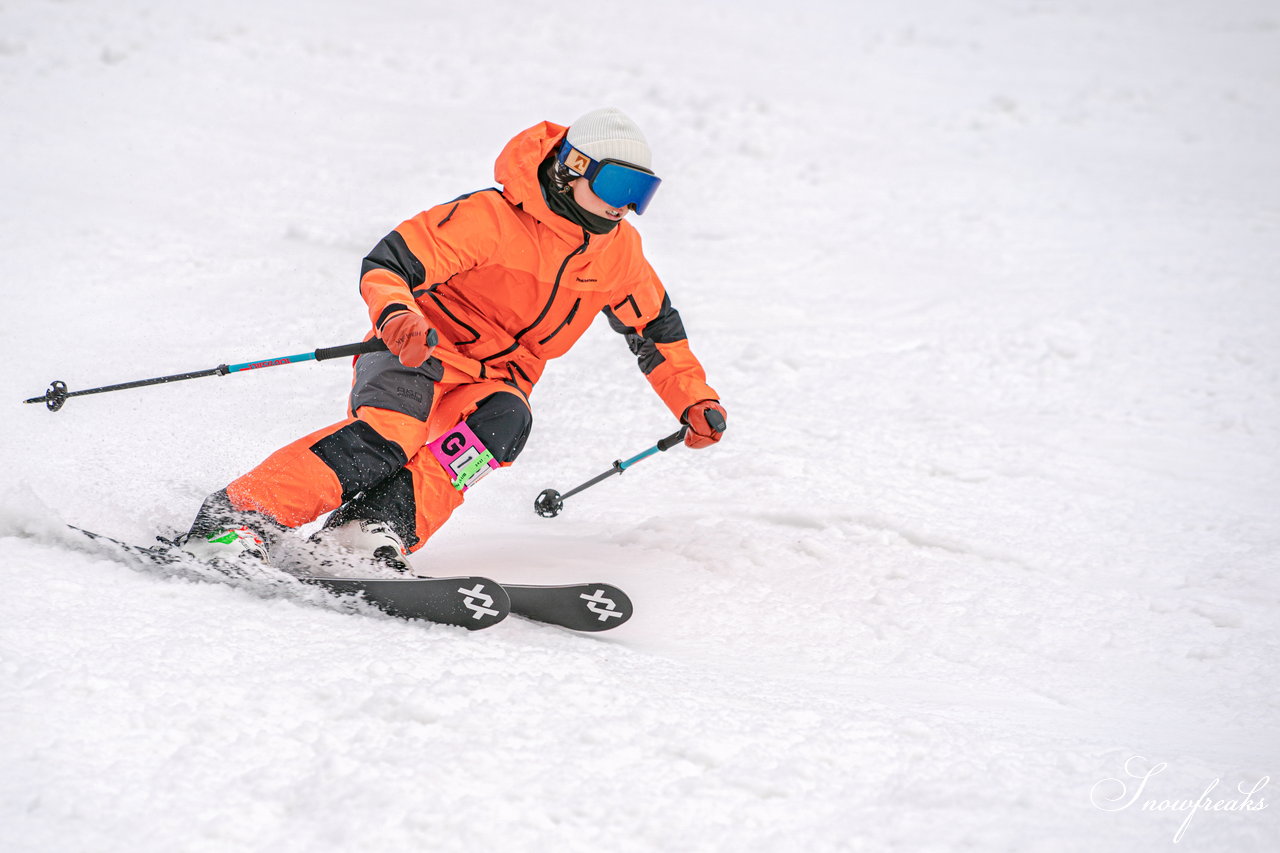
618	184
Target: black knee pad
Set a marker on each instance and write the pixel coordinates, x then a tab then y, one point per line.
502	421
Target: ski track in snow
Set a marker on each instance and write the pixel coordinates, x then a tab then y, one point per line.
988	289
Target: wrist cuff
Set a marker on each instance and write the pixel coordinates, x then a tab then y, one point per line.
390	311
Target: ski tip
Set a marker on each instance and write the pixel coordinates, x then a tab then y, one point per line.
586	607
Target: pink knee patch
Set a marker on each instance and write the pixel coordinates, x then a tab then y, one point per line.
463	456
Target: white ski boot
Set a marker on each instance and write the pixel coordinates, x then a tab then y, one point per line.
227	544
369	540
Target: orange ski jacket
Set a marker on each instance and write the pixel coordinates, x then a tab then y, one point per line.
508	284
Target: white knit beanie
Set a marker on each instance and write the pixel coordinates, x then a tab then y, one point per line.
608	134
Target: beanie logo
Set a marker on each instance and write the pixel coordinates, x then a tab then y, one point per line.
578	162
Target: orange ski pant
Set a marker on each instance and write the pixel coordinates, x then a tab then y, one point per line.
375	461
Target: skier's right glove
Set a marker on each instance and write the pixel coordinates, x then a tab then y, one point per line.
706	421
405	334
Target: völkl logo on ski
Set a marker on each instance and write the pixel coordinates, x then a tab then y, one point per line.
484	608
599	604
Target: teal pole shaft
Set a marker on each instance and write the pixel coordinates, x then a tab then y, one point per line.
619	467
57	395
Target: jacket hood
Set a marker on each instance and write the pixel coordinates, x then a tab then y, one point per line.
516	169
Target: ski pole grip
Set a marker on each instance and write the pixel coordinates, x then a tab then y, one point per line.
673	439
371	345
714	420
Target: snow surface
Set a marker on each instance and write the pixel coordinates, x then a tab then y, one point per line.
989	289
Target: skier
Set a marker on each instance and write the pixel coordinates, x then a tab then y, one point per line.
501	280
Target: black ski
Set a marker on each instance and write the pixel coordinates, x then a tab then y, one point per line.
157	555
579	606
470	601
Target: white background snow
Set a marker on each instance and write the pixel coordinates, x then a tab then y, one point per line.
989	289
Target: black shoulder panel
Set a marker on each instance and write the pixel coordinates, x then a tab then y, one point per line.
393	254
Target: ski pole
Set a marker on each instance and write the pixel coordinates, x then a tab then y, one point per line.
57	395
549	502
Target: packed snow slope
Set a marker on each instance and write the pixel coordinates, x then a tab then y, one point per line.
987	560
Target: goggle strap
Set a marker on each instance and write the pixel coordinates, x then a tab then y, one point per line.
578	162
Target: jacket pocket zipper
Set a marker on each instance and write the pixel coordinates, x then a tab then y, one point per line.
566	321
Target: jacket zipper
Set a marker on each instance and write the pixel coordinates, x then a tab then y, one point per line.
555	288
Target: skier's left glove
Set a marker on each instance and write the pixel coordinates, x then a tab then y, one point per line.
700	417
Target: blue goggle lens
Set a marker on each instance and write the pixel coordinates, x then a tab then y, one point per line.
617	184
621	185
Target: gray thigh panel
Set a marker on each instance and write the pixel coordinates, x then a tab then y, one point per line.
383	382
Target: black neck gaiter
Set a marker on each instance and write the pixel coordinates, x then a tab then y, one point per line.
561	202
